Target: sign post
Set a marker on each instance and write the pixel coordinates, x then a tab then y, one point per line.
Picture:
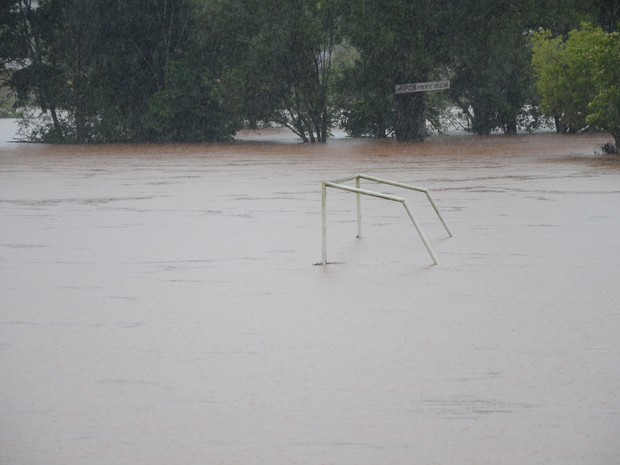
422	86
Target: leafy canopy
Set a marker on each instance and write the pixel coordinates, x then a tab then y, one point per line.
578	78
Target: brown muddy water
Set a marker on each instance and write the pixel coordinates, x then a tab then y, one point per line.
159	304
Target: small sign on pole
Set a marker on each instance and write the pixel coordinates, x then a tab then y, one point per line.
422	86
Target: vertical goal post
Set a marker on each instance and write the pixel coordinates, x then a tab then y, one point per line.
358	191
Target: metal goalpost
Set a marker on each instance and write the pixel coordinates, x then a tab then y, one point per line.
339	184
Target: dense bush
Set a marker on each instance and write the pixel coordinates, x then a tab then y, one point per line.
197	70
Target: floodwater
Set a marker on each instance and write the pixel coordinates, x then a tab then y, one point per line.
160	304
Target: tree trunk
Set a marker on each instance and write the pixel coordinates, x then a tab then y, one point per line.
560	127
57	128
410	117
511	127
483	121
324	125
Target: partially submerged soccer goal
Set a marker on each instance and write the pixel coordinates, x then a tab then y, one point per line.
339	184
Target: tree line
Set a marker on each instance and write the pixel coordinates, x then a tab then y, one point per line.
198	70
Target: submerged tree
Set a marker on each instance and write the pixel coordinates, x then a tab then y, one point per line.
564	77
187	106
604	109
578	78
365	98
197	70
491	63
109	70
282	70
30	65
138	43
398	42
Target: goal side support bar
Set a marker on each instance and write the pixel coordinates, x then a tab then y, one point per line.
359	192
410	187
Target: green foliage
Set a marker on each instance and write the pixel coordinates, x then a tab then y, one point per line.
565	72
7	107
604	109
111	70
398	42
187	109
282	72
491	64
197	70
366	99
547	63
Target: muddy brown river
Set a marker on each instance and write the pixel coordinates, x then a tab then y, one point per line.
160	304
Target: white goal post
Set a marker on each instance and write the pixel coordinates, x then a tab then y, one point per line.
338	184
